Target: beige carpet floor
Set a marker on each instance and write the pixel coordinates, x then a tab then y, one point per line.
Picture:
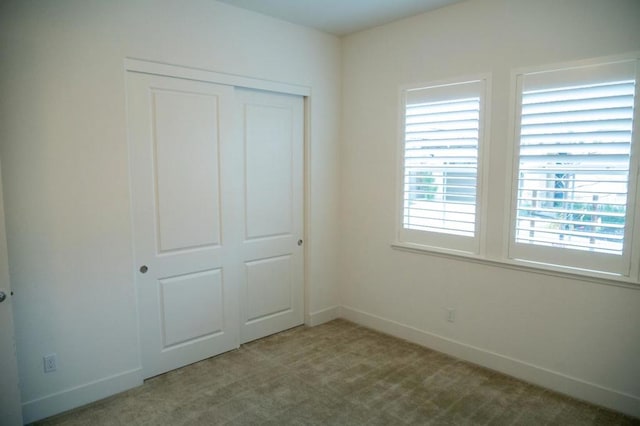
338	373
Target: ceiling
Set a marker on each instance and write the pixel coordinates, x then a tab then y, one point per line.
340	17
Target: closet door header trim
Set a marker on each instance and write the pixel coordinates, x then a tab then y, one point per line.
158	68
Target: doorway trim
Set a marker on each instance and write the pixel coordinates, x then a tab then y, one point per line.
189	73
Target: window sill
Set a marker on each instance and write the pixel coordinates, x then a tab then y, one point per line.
524	266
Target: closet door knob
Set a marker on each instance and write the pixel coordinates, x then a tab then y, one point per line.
144	269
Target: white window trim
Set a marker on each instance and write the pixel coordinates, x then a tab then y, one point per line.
501	259
511	198
530	267
436	242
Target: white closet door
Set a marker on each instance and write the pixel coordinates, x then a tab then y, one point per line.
271	292
184	217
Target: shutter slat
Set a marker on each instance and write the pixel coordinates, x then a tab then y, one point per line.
559	129
579	93
569	147
442	126
582	193
602	158
570	233
442	118
577	137
440	144
444	134
578	105
618	113
561	211
568	244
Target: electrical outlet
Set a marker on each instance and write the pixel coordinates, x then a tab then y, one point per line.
451	315
50	363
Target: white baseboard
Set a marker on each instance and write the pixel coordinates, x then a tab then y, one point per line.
322	316
577	388
80	395
625	403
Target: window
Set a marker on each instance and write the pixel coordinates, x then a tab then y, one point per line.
575	184
441	145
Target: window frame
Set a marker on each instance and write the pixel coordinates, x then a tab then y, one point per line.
436	241
628	268
494	235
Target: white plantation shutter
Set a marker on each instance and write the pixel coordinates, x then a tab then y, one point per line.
573	182
442	134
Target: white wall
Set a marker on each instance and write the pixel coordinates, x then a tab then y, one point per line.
65	169
579	337
64	157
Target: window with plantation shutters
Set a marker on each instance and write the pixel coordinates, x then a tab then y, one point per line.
442	136
575	183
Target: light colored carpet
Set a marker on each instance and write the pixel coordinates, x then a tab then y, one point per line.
338	373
